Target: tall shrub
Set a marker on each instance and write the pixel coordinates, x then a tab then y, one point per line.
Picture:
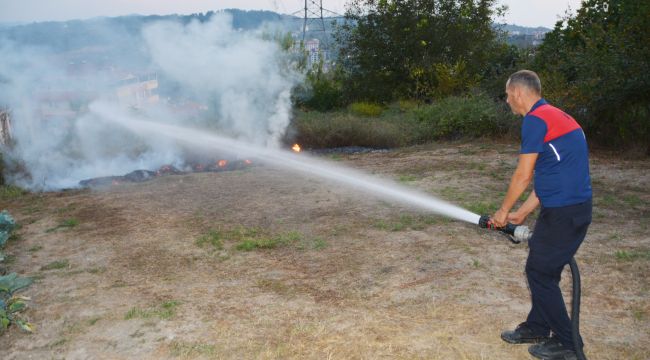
595	64
395	49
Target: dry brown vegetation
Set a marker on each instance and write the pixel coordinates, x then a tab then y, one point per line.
156	270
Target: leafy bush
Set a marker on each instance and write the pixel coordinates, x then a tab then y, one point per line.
462	116
595	66
403	124
321	91
392	49
11	306
405	105
325	96
7	225
314	130
366	109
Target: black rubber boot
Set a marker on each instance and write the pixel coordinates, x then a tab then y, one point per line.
522	335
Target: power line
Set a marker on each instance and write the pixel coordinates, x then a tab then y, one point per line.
313	18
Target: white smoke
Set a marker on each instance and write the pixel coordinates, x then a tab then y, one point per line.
240	79
239	74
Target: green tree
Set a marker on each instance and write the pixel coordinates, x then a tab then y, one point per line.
415	48
595	64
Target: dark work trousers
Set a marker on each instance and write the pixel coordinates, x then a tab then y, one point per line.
557	235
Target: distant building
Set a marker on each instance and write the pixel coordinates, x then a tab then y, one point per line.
312	46
137	91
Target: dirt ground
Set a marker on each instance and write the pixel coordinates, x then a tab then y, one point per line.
128	272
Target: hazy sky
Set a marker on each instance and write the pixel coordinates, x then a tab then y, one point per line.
521	12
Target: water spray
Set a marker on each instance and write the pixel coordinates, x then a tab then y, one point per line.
297	162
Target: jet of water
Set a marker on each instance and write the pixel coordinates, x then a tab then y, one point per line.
281	158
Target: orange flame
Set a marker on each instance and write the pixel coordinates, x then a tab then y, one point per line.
247	162
222	163
295	148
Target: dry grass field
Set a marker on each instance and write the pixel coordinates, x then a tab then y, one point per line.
265	264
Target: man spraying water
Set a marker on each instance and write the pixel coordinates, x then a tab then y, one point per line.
553	152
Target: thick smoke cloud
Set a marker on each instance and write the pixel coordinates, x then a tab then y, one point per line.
236	83
239	75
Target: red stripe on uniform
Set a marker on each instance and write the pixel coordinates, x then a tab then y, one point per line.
558	122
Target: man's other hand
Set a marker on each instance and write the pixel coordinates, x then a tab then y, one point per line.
516	217
500	218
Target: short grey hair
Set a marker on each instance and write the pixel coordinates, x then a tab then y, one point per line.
527	79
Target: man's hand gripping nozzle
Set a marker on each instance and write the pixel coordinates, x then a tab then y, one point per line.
516	233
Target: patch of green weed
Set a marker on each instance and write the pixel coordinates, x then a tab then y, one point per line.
69	223
66	209
608	200
65	224
269	242
11	192
638	313
95	270
632	200
319	243
56	265
35	248
32	209
165	311
212	238
482	207
56	343
630	255
366	109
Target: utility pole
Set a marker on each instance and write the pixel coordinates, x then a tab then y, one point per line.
5	127
313	15
315	37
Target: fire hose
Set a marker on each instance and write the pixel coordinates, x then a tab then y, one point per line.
521	233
